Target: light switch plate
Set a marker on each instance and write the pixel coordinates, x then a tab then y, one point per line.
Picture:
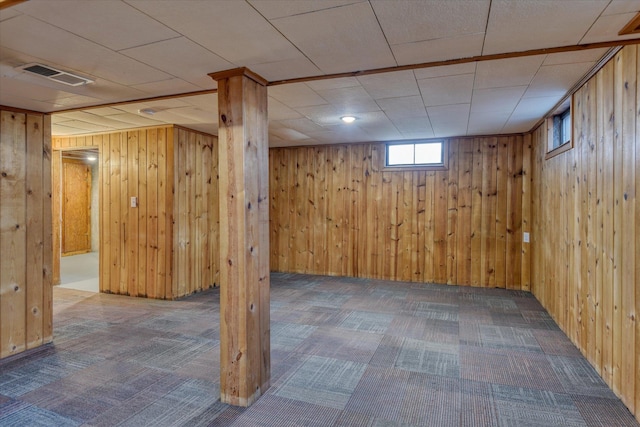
525	237
134	202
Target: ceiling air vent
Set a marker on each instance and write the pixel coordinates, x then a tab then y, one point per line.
55	74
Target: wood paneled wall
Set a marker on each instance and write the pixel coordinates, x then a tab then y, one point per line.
25	232
586	227
165	247
335	210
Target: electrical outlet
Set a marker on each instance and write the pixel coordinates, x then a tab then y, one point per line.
134	202
525	237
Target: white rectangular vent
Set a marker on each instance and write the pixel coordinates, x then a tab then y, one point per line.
55	75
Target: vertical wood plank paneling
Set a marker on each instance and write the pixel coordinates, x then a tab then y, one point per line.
26	222
502	166
527	200
626	197
452	213
48	258
463	232
35	230
13	233
56	192
165	202
591	286
141	251
152	279
423	226
137	243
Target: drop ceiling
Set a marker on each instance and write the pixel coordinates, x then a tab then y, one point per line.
141	49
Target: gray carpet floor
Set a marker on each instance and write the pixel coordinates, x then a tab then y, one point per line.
345	352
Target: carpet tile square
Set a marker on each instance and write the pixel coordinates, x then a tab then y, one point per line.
578	377
428	358
342	344
321	380
519	339
367	321
431	401
499	366
380	393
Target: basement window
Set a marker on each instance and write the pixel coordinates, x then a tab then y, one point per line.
559	128
423	155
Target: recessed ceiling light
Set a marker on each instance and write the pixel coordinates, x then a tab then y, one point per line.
92	158
348	119
147	111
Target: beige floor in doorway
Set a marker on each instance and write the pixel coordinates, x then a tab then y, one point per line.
80	272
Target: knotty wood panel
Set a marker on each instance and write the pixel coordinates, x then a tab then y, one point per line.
586	248
25	232
166	247
335	210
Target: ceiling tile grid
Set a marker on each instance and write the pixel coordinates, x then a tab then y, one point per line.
137	49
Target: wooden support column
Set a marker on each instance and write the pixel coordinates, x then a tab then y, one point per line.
245	366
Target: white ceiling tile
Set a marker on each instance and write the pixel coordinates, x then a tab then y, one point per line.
62	130
486	123
417	135
446	90
8	13
337	83
590	55
168	87
532	24
350	100
73	100
607	27
556	80
496	100
507	72
302	125
622	6
23	34
457	47
207	101
288	134
286	69
407	21
446	70
271	9
213	24
323	115
135	119
112	24
449	120
88	127
390	85
407	106
516	125
296	95
413	125
377	126
101	111
340	39
179	57
278	111
534	108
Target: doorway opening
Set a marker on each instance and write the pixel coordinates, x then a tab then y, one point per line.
79	222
